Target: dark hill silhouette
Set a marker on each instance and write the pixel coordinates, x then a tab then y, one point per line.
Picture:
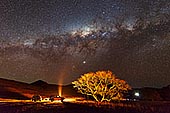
39	83
10	89
165	93
7	82
7	94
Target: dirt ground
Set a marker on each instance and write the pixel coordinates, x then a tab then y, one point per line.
130	107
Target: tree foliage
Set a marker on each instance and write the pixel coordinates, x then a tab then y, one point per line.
102	86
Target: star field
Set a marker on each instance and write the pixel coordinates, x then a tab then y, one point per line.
61	39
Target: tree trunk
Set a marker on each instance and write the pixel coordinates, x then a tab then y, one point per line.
95	98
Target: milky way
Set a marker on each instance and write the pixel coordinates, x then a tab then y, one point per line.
61	39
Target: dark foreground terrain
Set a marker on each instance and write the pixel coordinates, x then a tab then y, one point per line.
132	107
19	92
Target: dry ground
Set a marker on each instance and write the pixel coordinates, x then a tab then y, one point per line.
84	107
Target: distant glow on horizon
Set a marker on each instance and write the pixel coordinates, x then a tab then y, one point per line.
84	62
137	94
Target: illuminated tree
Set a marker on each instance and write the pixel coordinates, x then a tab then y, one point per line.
102	86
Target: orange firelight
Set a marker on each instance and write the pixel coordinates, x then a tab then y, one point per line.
60	90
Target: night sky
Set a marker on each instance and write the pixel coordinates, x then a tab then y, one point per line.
58	40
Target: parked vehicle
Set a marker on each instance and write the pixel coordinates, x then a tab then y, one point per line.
36	98
56	98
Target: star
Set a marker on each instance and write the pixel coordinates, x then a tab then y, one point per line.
84	62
